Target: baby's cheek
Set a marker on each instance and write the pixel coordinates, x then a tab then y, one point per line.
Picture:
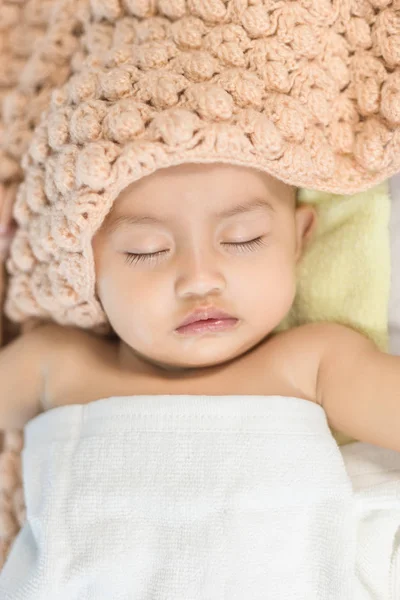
143	334
282	284
138	317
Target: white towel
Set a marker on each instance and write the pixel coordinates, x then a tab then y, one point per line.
375	476
183	498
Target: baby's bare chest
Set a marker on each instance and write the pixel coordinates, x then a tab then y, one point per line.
94	377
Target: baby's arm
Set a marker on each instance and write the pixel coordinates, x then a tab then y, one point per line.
23	366
359	387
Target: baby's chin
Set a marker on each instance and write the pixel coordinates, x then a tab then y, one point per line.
185	362
189	363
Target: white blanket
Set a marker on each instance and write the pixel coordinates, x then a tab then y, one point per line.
191	498
375	476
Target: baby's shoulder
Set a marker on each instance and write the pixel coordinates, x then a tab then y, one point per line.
303	351
65	339
67	351
314	339
72	348
74	358
47	358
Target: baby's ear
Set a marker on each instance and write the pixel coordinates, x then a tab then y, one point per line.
306	221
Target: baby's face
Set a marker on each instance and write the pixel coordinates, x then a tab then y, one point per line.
170	246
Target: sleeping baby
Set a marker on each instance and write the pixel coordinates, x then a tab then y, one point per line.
194	268
157	237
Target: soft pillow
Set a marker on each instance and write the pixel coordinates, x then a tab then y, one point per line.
344	275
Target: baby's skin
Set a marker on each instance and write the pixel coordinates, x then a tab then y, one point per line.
202	238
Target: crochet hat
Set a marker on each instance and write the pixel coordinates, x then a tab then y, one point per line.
307	91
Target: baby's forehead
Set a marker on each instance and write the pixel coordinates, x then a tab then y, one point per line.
212	187
126	215
213	193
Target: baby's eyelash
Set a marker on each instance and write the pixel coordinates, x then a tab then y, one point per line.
135	258
247	245
132	257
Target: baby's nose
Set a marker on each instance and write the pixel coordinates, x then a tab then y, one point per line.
199	275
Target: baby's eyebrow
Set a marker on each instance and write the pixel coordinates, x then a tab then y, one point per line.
241	208
224	214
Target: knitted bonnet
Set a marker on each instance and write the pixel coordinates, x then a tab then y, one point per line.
112	90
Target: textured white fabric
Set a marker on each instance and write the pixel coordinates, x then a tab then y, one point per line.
184	498
375	476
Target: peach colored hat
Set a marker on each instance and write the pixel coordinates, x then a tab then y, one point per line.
307	91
